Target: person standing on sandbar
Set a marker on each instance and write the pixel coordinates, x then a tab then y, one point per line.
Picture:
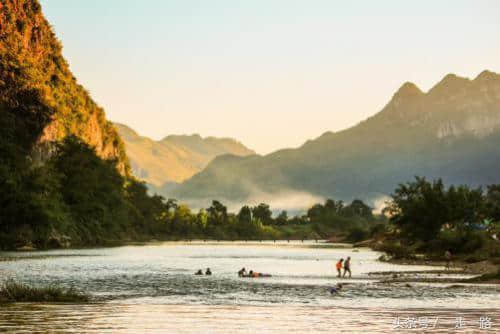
347	266
339	267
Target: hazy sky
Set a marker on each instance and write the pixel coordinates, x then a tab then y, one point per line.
270	73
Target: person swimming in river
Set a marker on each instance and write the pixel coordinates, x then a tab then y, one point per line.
242	272
253	274
339	267
335	289
199	272
347	266
208	272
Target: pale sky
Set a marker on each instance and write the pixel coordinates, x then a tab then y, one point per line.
270	73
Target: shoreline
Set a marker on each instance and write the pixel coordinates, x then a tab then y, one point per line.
120	243
483	272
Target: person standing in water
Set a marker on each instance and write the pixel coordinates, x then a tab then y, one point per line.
447	256
339	267
347	266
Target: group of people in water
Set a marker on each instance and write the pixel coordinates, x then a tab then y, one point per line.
208	272
341	264
243	273
347	267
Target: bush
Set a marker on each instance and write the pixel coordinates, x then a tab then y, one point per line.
356	234
397	251
473	242
11	291
378	229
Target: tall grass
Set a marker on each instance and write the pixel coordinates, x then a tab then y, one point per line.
11	291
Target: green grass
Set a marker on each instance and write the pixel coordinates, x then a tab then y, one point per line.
11	291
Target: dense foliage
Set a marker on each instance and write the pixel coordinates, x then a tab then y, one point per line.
432	218
78	199
74	198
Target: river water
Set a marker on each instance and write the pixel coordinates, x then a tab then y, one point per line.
153	289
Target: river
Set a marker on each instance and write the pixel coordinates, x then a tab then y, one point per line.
152	288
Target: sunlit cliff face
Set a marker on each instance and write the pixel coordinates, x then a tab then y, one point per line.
37	86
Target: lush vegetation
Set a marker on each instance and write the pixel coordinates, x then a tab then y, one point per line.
427	217
54	193
10	291
64	176
76	198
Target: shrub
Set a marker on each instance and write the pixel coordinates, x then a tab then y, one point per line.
357	234
397	251
11	291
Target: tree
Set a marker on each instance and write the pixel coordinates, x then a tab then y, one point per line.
316	213
493	202
245	215
263	213
357	208
419	208
334	206
282	218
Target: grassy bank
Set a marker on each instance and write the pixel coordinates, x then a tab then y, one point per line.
11	292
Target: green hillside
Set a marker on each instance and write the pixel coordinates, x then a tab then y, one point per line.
64	175
39	96
452	131
174	158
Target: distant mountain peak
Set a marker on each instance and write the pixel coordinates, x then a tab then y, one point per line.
407	92
450	132
175	157
125	130
408	89
450	84
195	136
487	76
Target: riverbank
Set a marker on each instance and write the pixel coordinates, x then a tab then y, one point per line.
146	241
485	271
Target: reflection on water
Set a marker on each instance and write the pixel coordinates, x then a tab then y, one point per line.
140	318
137	288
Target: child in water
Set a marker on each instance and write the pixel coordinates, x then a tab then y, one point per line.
335	289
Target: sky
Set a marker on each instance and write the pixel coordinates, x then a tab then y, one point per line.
269	73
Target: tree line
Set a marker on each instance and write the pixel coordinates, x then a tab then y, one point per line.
429	217
78	199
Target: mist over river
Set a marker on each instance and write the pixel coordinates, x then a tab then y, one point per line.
152	288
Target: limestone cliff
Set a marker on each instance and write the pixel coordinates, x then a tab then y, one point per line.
39	94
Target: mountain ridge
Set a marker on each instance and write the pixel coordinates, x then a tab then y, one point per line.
416	133
174	158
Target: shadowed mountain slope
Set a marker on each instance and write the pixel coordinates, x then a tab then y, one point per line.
452	131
